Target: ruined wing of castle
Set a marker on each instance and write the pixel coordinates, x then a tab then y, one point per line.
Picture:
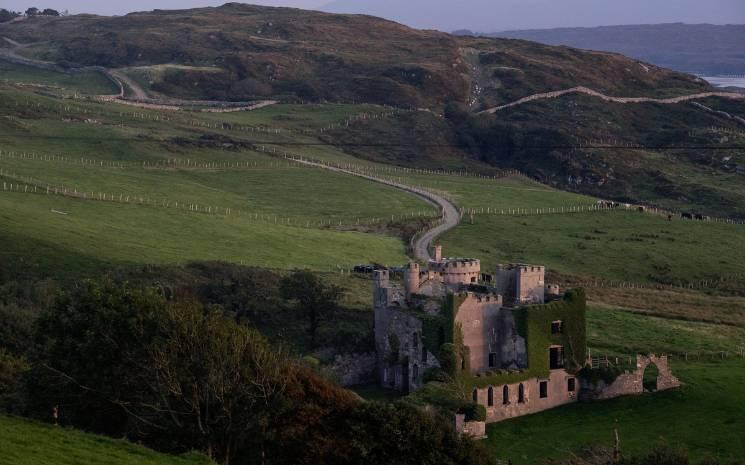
513	340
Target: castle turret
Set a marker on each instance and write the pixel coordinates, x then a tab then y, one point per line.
382	292
411	279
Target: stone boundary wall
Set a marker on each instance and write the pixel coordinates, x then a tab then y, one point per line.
474	429
632	383
353	369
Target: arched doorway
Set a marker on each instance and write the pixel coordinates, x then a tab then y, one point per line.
649	379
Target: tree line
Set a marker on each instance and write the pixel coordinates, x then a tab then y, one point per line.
9	15
183	368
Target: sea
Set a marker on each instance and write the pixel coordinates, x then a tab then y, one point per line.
725	81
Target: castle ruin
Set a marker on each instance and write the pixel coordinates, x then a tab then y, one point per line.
515	342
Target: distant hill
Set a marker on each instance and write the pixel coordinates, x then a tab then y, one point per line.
694	48
503	15
239	52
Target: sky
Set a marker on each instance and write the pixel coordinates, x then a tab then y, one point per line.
449	15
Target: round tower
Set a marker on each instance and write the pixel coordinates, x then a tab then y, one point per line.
411	279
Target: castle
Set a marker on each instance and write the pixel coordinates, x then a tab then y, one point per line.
514	343
494	332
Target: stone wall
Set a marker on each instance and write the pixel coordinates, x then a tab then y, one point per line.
632	382
406	372
557	393
475	429
488	328
530	284
353	369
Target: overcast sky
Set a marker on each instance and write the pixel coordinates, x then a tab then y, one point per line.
448	15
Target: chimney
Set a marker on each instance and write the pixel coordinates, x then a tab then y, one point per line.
438	253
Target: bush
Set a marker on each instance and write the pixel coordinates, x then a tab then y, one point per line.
11	370
473	412
436	375
449	359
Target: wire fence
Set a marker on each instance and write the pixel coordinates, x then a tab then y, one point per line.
693	355
210	209
711	283
178	163
599	206
69	112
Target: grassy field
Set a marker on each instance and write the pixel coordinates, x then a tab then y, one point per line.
25	442
615	245
500	194
704	416
273	202
93	235
273	187
86	83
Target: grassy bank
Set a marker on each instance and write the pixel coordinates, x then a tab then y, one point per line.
25	442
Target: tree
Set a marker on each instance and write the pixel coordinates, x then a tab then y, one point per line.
314	298
121	361
50	12
217	384
7	15
33	11
91	347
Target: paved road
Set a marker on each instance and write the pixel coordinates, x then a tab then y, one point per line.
594	93
421	246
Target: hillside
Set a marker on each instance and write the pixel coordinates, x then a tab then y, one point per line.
694	48
240	52
25	442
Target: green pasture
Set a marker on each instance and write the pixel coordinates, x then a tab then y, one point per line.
85	83
615	245
499	194
704	416
26	442
88	236
274	187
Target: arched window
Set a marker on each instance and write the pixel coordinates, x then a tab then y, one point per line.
521	394
424	354
476	396
506	395
415	341
463	363
490	397
415	372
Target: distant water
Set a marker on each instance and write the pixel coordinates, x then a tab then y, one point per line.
725	81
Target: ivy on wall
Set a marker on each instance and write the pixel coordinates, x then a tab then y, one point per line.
534	324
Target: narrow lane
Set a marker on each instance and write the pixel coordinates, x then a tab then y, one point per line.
450	216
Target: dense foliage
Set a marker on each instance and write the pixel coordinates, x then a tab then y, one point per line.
176	374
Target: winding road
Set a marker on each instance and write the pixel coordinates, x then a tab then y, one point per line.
607	98
422	243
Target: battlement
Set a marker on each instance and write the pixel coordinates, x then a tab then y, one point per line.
522	268
456	265
381	276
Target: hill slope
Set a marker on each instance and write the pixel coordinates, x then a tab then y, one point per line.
695	48
239	52
25	442
243	52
